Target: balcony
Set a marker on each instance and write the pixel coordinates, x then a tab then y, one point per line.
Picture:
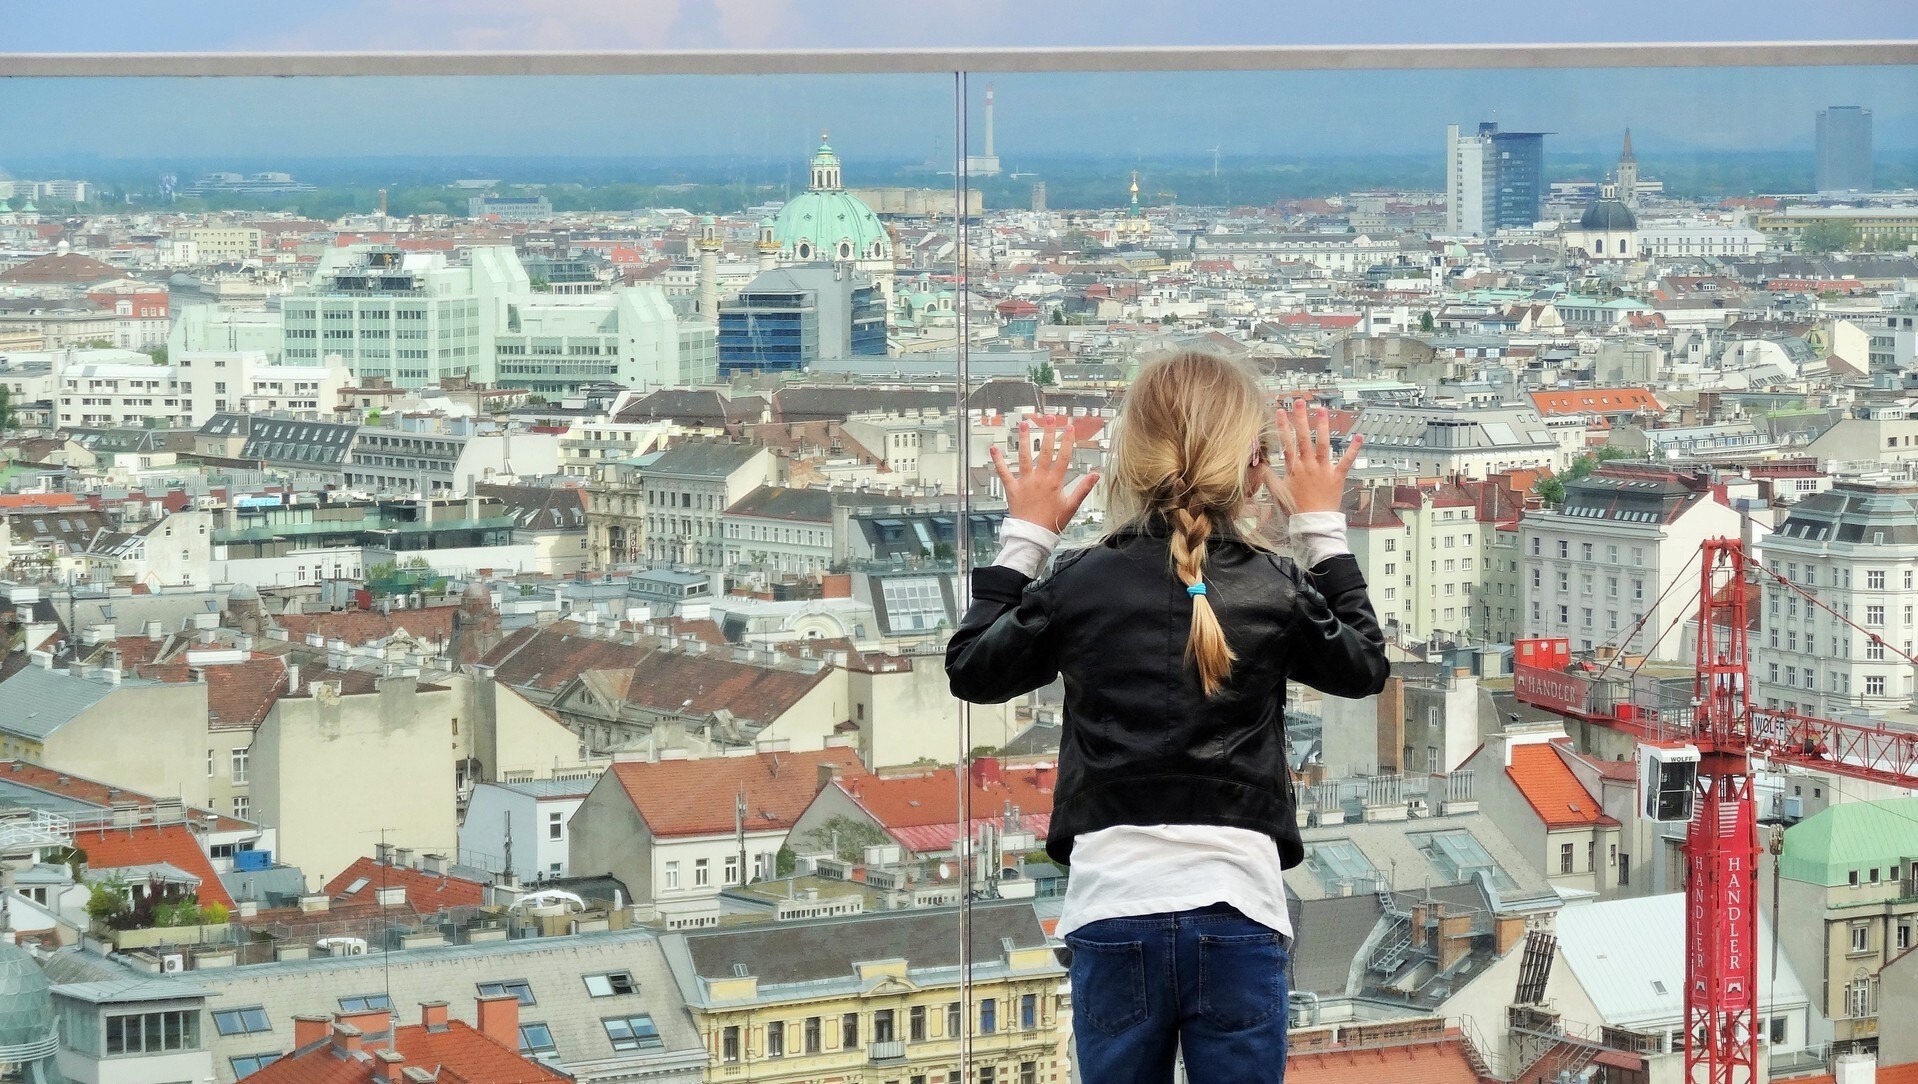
890	1050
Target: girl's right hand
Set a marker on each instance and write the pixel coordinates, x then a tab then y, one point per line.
1314	481
1038	493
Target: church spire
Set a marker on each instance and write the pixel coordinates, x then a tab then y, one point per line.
1626	154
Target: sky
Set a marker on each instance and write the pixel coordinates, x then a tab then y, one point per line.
911	117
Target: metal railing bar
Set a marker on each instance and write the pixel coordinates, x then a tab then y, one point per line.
946	61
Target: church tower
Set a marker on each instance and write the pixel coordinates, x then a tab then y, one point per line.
1628	174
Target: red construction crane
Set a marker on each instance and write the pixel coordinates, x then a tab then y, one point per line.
1712	789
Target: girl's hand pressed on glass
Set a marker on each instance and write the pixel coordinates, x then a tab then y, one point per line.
1038	492
1314	481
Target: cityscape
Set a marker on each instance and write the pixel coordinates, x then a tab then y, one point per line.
482	616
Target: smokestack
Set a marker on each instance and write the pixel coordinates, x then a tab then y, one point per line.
988	120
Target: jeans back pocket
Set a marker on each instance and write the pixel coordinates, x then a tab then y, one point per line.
1108	983
1241	979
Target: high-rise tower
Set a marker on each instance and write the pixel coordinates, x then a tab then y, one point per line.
1844	149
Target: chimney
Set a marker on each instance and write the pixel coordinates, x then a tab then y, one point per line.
827	773
433	1015
309	1028
434	864
346	1039
292	677
388	1066
1508	931
499	1019
1855	1069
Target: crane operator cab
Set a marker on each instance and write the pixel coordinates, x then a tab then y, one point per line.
1667	781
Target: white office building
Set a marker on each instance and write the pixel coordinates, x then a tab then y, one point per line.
1460	441
416	318
1470	183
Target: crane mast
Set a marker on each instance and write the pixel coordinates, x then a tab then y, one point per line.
1721	841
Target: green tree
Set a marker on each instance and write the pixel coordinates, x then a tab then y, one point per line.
95	344
1552	490
1828	235
846	838
1042	374
1058	314
9	418
1169	320
107	899
1426	323
785	861
158	354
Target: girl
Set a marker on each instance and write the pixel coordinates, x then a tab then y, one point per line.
1176	634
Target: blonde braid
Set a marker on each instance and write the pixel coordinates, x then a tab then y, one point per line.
1205	645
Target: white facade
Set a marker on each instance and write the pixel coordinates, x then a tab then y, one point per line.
533	815
1596	571
445	464
553	344
1465	442
1468	182
219	328
211	382
585	445
97	394
1855	548
1677	239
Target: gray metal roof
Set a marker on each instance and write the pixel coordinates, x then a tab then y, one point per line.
554	967
1629	956
41	701
823	950
1328	935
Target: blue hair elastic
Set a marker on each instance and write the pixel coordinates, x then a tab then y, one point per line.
1195	589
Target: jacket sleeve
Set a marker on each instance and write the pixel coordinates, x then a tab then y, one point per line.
1003	646
1335	644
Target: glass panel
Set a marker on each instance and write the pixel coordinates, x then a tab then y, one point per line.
1494	277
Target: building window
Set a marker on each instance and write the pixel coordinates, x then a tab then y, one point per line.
728	1041
776	1039
1624	869
988	1015
1904	936
812	1035
610	984
1858	999
239	759
1028	1012
234	1021
1564	548
702	873
1874	685
555	825
242	806
176	1029
250	1064
916	1024
519	988
1028	1072
672	875
731	871
849	1031
1875	616
637	1032
1875	579
1565	858
367	1003
882	1025
536	1039
955	1013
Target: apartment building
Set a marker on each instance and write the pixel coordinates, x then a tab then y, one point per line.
688	489
1430	554
877	997
1854	548
1597	569
1847	904
1471	442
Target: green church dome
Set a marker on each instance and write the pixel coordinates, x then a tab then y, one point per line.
826	222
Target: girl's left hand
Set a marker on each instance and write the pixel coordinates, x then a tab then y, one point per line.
1314	481
1038	493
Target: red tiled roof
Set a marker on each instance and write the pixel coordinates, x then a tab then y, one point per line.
1906	1073
1555	794
150	844
1439	1062
426	893
238	694
459	1054
1594	401
547	658
933	798
433	624
695	797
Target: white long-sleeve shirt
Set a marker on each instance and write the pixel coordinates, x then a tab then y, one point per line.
1129	870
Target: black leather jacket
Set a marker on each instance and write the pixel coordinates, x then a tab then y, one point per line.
1141	742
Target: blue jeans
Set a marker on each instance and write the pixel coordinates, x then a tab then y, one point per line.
1209	981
